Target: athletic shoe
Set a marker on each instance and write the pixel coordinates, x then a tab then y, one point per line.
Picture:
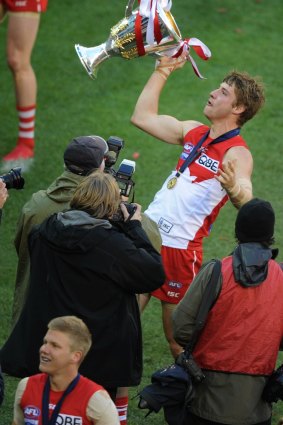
20	156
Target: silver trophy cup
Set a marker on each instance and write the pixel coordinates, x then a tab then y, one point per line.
122	40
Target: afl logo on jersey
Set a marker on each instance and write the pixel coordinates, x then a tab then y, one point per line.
187	149
31	412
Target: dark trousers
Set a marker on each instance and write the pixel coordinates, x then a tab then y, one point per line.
112	392
196	420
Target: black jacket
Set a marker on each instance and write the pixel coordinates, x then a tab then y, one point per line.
87	267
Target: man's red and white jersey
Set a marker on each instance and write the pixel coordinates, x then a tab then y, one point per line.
186	212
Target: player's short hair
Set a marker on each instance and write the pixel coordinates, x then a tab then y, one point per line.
249	92
76	329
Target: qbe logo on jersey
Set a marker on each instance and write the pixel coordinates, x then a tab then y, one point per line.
208	163
69	420
32	415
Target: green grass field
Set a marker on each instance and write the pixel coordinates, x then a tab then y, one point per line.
243	35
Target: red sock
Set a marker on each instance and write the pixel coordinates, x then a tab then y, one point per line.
26	116
122	407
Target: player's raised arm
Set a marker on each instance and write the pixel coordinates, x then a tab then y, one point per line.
146	114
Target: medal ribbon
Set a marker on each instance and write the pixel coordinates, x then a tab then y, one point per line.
45	401
196	150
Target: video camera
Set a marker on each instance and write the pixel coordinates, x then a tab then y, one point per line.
13	179
126	169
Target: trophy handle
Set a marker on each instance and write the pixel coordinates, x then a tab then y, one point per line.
129	8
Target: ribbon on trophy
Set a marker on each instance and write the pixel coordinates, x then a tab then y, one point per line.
148	30
199	47
148	9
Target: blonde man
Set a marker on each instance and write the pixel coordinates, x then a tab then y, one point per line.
215	165
59	391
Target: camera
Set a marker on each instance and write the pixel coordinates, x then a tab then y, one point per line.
126	169
118	216
124	176
13	179
187	361
115	144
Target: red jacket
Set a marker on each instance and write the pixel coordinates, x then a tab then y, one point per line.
248	340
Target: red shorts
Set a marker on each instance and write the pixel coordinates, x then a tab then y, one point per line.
181	266
25	5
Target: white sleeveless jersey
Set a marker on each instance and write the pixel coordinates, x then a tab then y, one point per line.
181	212
186	212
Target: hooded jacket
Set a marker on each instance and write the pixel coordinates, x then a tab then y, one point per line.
86	267
41	205
225	396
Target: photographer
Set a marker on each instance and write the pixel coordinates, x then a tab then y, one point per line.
83	265
83	155
238	347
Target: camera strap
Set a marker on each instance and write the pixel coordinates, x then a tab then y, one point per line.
207	302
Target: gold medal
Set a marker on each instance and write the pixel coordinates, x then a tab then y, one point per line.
172	182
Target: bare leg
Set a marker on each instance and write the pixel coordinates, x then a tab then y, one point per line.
143	300
167	310
22	32
21	36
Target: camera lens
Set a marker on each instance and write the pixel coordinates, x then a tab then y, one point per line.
13	179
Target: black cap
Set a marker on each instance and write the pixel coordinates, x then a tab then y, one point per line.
255	221
85	153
